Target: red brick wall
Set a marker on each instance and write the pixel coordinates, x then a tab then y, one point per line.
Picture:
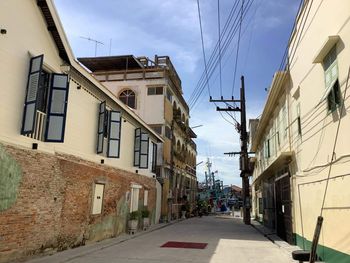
54	203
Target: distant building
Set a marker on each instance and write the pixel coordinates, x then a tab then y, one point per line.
74	160
152	89
301	141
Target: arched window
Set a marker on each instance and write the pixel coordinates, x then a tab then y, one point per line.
128	97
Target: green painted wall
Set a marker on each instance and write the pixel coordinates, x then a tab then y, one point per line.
10	177
325	253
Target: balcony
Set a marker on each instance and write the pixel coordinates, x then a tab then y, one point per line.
39	126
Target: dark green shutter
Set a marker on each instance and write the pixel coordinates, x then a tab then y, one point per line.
101	127
144	148
113	148
30	103
137	145
56	117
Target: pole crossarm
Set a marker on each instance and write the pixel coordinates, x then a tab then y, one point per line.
228	109
224	100
237	153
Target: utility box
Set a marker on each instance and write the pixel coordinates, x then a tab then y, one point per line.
98	198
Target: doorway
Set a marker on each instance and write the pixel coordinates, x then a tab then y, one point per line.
284	208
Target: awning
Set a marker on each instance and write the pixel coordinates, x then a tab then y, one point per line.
326	47
281	161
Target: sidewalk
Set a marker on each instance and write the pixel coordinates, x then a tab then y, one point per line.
71	254
227	239
271	235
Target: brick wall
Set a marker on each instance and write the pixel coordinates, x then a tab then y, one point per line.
54	202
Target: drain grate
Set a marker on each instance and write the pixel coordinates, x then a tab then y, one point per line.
192	245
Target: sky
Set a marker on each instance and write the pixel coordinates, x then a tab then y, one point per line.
171	28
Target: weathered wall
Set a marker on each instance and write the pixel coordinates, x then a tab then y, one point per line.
51	207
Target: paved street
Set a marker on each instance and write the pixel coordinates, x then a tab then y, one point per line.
229	240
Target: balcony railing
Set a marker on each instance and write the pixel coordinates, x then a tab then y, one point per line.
39	126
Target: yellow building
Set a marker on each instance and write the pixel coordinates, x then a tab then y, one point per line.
74	160
301	141
152	89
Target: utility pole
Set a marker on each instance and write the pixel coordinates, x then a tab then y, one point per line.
244	158
242	128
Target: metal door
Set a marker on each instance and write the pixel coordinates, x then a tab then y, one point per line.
284	208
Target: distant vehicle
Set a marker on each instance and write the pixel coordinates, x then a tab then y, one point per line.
231	202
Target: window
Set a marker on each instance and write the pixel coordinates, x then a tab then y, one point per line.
284	119
157	129
109	125
98	199
128	97
298	119
43	90
330	66
155	91
45	105
333	98
169	95
168	132
260	205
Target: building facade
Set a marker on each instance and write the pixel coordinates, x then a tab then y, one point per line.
301	145
74	160
152	89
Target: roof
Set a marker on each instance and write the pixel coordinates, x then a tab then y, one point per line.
110	63
274	95
53	19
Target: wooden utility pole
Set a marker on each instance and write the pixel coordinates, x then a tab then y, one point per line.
244	167
243	159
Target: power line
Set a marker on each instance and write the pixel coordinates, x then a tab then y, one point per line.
238	42
212	56
213	61
219	46
203	49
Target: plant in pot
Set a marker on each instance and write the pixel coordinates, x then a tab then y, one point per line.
145	217
133	221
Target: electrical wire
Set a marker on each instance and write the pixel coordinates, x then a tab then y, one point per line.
228	21
203	49
335	142
238	42
214	57
212	62
219	46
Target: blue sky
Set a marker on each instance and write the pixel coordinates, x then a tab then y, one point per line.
168	27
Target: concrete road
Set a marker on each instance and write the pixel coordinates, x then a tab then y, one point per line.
229	240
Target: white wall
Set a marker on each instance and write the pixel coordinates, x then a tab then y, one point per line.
28	33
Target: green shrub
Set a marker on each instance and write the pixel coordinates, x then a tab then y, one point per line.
145	212
134	215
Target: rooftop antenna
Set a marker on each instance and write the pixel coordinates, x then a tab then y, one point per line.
93	40
110	47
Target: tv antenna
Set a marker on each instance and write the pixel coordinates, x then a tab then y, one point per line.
93	40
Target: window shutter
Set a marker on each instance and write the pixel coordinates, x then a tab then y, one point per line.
30	103
144	150
56	118
113	149
137	147
154	156
101	127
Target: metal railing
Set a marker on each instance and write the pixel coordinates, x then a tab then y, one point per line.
39	126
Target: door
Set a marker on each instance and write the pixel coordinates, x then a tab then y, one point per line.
284	208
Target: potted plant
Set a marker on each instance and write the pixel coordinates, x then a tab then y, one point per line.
145	217
133	221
